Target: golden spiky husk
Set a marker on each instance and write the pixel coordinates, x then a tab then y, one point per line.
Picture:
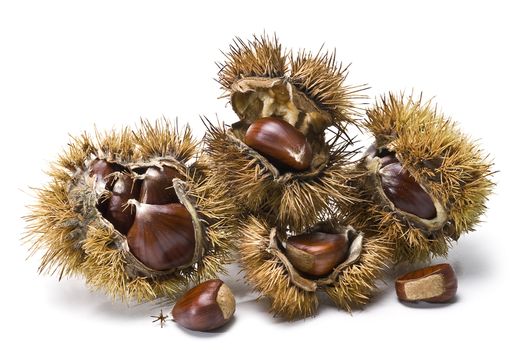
66	225
357	283
450	165
261	57
322	78
294	199
268	275
319	76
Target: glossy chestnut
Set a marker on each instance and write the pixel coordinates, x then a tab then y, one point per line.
205	307
316	254
435	284
157	185
280	142
162	236
114	206
402	189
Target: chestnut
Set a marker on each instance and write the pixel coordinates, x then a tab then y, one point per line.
157	185
280	142
162	236
114	208
317	254
434	284
205	307
99	170
402	189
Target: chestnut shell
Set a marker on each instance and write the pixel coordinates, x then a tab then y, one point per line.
280	142
406	194
205	307
162	236
317	254
157	186
115	208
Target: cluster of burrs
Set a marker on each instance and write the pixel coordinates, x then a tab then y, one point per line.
145	213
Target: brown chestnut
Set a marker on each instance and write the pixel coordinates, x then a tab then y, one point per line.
403	190
114	208
280	142
205	307
316	254
162	236
157	185
100	169
435	284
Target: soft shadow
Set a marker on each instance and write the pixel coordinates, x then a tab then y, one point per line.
74	294
209	334
471	259
385	291
425	305
261	307
129	311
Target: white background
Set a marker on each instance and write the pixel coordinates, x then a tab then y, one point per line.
66	66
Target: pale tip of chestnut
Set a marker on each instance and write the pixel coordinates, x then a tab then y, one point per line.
206	307
434	284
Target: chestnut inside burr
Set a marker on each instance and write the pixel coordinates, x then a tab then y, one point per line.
142	204
317	254
316	257
282	144
401	188
157	186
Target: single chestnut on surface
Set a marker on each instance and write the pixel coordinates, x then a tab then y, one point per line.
280	142
434	284
205	307
162	236
316	254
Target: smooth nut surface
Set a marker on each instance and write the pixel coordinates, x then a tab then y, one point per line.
157	186
205	307
280	142
115	208
406	194
436	284
162	236
100	169
316	254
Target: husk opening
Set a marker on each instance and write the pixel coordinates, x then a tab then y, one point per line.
311	285
267	274
78	240
428	227
451	168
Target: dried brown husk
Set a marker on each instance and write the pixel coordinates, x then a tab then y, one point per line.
294	296
66	224
255	185
309	92
449	166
